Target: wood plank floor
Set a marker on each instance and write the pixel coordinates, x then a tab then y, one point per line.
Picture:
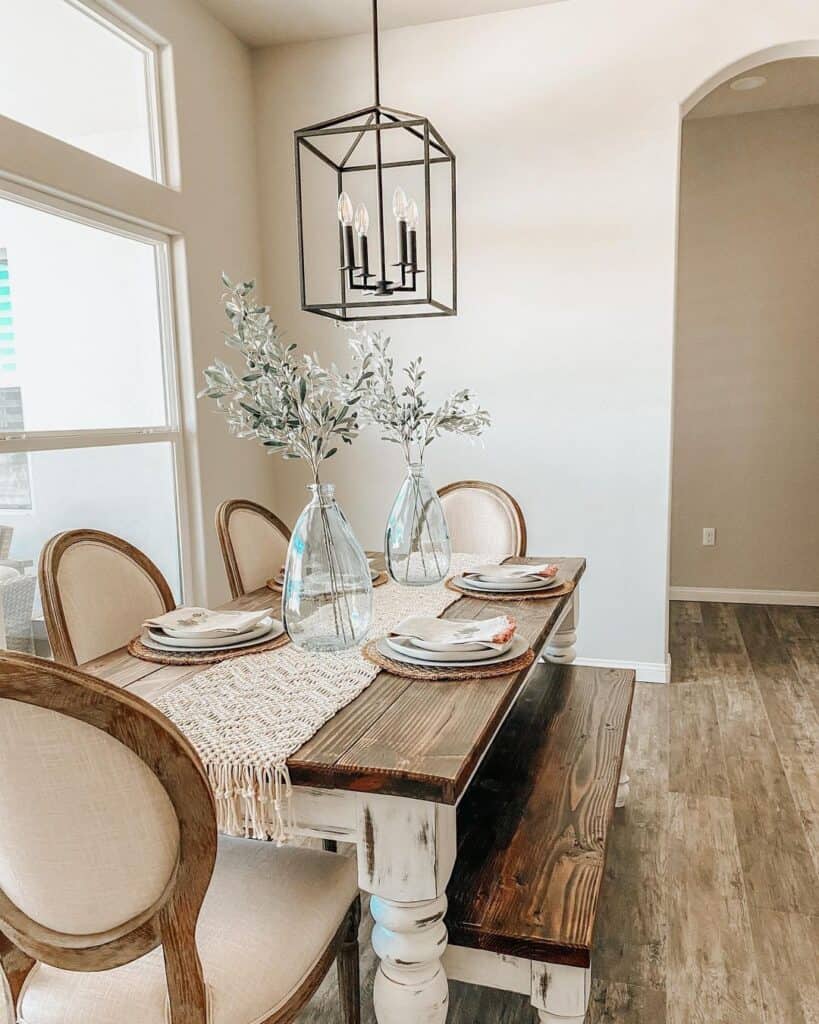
710	913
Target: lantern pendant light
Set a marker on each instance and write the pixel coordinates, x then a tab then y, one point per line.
379	269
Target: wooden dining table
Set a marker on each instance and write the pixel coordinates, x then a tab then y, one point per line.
387	772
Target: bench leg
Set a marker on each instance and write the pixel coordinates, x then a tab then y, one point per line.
560	994
561	647
405	862
622	789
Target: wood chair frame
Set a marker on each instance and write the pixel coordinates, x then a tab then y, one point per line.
59	636
504	496
171	922
223	516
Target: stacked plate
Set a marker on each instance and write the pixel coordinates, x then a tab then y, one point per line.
453	642
510	579
191	630
278	579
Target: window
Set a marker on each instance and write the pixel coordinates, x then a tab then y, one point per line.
87	333
76	73
15	485
89	421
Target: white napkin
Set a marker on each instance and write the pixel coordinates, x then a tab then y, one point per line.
506	573
202	623
493	634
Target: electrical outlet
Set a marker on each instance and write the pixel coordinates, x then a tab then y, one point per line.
709	536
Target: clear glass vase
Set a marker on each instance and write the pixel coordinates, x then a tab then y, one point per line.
327	598
416	543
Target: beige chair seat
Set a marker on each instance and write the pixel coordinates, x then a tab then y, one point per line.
261	931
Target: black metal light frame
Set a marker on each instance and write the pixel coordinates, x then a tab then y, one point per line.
355	284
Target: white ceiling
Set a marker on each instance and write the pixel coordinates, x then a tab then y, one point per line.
790	83
268	22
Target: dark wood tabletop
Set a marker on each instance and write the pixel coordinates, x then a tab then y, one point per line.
402	737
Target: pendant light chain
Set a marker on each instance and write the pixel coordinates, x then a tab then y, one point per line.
376	56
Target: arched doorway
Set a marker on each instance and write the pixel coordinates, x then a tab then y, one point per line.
747	319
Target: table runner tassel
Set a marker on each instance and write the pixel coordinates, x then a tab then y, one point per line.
283	804
255	802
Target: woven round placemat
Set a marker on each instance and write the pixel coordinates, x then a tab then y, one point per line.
536	595
379	581
139	650
435	673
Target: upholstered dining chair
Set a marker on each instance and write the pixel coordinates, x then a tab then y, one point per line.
483	518
97	590
118	902
254	544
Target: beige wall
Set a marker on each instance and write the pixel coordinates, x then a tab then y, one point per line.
565	122
212	215
746	423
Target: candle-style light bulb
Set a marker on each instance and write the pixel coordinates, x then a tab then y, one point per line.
345	210
345	215
362	220
399	209
399	204
413	216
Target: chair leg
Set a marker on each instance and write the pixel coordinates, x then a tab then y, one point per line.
330	845
349	989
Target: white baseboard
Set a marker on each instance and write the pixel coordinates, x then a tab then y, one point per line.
730	596
647	671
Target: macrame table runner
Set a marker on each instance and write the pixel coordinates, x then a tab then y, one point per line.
246	716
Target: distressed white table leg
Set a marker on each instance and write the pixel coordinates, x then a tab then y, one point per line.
622	789
560	647
405	861
560	993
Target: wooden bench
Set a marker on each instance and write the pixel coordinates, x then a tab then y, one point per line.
533	828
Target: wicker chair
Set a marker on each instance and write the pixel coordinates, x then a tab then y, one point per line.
16	611
6	533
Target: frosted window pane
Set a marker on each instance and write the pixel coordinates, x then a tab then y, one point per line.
128	490
80	330
66	74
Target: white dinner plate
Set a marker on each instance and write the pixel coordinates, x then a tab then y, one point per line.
186	633
273	629
203	643
517	587
467	645
516	648
404	645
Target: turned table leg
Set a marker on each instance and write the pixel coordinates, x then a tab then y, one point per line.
561	646
405	861
409	939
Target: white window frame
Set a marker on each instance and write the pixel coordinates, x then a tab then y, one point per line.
153	50
170	432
